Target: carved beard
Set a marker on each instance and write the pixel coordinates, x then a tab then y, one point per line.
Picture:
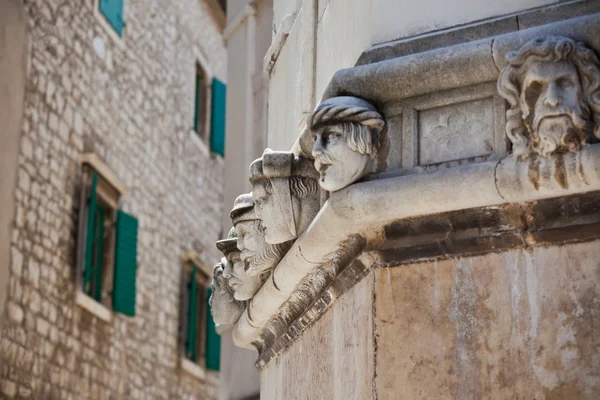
559	129
267	257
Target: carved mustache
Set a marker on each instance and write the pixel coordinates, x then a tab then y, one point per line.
322	159
576	117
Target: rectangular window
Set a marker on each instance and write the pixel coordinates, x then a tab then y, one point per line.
200	103
113	12
201	343
107	241
217	124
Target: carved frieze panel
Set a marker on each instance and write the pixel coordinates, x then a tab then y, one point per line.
456	132
460	125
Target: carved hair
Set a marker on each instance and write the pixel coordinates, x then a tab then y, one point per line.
300	187
548	49
360	122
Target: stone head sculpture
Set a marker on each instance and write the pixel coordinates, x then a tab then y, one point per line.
346	134
285	193
244	287
258	255
226	310
552	85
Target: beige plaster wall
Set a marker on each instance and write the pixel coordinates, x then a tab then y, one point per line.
247	93
516	325
334	359
394	19
13	64
238	378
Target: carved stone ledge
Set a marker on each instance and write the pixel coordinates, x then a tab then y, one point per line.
358	210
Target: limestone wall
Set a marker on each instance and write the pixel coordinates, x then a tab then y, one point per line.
334	359
515	325
131	102
521	324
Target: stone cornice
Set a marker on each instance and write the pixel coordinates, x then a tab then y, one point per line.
356	212
450	67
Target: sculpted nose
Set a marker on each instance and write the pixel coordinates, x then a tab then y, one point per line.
552	98
317	148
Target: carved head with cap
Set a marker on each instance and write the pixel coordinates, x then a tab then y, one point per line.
286	194
346	134
225	309
243	285
258	255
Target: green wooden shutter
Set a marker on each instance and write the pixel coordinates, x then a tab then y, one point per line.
213	340
88	270
124	289
113	12
197	102
217	125
192	317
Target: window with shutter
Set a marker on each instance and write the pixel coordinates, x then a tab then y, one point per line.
107	244
201	103
219	103
113	12
201	344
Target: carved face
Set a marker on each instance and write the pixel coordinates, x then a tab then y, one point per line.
338	165
244	286
551	104
224	308
255	251
276	229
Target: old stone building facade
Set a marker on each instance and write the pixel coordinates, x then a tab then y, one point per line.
128	99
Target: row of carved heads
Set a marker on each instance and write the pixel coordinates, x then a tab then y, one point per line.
552	86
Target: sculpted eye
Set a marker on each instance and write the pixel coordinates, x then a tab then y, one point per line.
532	92
331	135
566	83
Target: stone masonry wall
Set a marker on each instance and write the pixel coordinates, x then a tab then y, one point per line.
132	103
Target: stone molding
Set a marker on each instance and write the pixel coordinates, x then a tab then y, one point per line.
460	110
356	211
450	67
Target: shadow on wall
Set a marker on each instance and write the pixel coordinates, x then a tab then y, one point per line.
13	64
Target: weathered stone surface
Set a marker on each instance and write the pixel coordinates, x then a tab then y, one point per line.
523	322
334	357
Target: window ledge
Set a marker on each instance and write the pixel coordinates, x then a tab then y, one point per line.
97	164
86	302
192	368
195	138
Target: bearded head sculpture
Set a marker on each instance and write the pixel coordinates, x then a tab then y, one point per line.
285	190
244	286
259	256
552	85
346	134
225	309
